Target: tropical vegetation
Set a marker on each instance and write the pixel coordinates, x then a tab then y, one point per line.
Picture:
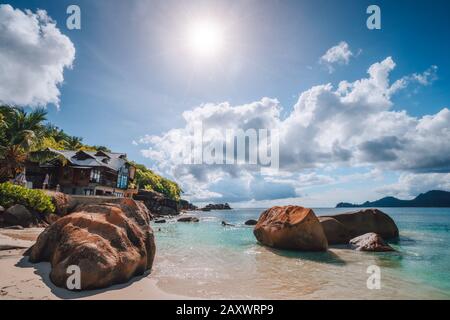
11	194
149	180
25	135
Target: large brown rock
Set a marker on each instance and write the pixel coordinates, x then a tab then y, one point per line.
368	220
64	203
335	231
19	215
370	242
110	243
291	227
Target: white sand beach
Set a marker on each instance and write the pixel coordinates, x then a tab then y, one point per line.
21	279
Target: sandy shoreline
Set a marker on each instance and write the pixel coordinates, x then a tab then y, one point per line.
21	279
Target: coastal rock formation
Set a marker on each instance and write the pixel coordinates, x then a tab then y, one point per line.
157	203
370	242
188	219
18	215
109	242
368	220
64	204
291	227
251	222
335	231
187	206
218	206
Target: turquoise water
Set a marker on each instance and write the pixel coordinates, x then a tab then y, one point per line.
208	260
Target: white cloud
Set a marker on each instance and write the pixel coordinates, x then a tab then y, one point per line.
427	77
409	185
351	125
339	54
33	56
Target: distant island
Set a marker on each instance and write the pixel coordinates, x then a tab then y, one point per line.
434	198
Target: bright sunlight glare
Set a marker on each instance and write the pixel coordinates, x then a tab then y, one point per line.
205	38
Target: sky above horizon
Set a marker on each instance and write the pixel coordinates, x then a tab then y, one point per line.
361	113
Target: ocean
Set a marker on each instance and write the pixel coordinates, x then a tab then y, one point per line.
208	260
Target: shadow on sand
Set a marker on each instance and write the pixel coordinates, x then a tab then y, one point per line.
320	257
43	269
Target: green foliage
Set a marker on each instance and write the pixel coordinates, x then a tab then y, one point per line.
26	135
19	133
149	180
11	194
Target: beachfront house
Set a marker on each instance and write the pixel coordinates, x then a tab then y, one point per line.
84	173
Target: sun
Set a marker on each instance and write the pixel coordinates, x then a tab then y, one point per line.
205	38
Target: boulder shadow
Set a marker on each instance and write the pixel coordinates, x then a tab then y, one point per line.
42	269
327	257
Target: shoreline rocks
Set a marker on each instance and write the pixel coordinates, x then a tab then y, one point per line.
218	206
19	215
291	227
188	219
187	206
370	242
340	228
335	231
157	203
109	242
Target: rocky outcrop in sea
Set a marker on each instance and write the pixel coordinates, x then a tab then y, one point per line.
298	228
218	206
291	227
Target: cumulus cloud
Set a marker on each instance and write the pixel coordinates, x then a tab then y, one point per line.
409	185
339	54
350	125
33	56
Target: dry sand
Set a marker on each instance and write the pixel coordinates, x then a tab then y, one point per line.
20	279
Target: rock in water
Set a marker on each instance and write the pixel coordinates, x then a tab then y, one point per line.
19	215
251	222
110	243
370	242
335	231
368	220
188	219
291	227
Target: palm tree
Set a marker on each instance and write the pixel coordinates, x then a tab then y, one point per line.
56	133
73	143
19	132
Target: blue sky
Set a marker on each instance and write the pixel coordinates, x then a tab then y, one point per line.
133	77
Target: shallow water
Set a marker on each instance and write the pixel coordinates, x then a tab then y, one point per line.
207	260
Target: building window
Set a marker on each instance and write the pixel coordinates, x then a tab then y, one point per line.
122	178
95	175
